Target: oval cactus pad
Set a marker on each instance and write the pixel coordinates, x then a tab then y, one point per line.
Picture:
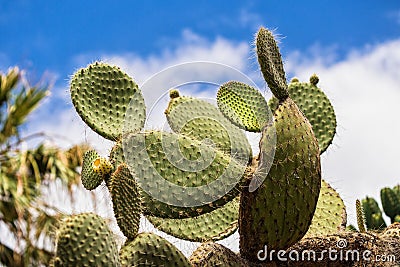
102	95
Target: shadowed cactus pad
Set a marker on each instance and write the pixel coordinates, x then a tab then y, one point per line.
317	108
390	202
213	254
330	214
102	94
289	194
127	203
90	178
85	240
215	225
270	61
149	249
243	105
197	177
373	214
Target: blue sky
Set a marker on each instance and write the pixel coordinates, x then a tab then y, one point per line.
354	47
48	35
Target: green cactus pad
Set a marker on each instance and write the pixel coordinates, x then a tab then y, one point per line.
215	225
102	95
85	240
317	108
280	211
390	202
330	214
117	155
373	214
148	249
90	178
212	254
127	203
270	61
201	120
185	177
244	106
360	217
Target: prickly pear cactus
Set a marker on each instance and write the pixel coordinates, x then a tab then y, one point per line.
200	181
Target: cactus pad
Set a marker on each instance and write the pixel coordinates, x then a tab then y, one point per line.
373	214
102	95
330	214
215	225
85	240
127	203
289	194
148	249
197	177
390	202
212	254
244	106
270	61
201	120
90	178
317	108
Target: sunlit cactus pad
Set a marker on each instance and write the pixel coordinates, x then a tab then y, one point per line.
102	94
85	240
244	105
148	249
90	178
317	108
330	214
127	202
271	65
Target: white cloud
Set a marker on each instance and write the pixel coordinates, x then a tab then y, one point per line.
365	91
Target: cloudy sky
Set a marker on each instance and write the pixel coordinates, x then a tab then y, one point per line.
354	47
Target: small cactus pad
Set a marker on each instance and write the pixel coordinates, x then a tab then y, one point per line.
270	61
149	249
201	120
102	95
373	214
102	166
244	106
215	225
317	108
330	214
180	176
360	217
212	254
90	178
280	211
85	240
127	203
390	202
